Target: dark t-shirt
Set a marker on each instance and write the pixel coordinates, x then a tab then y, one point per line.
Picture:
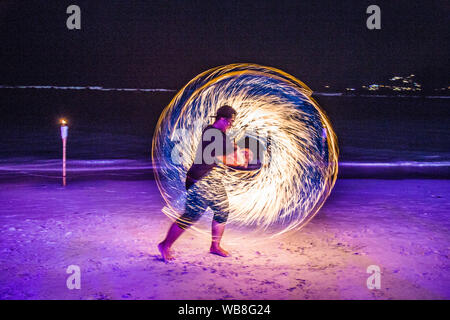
213	143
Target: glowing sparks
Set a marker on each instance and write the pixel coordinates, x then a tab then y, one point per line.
299	156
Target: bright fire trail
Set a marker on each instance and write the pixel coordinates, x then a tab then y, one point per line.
299	155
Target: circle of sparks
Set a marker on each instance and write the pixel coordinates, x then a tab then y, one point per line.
299	154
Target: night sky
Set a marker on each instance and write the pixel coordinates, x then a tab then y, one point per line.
152	44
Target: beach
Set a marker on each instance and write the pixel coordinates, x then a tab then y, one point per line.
109	227
348	100
389	207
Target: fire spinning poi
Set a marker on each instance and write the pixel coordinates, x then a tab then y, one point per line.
285	128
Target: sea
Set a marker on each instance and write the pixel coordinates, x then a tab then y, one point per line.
112	129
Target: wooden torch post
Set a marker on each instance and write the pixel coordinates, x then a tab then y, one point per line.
64	133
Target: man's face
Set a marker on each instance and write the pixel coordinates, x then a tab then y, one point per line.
230	122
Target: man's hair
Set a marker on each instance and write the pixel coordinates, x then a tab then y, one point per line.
225	112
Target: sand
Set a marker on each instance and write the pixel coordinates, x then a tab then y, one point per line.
110	229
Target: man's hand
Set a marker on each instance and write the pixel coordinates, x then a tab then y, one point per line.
246	156
239	158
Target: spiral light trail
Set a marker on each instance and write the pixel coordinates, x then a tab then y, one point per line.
298	148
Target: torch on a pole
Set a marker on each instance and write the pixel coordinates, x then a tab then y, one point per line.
64	133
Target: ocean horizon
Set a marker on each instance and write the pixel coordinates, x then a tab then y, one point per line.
112	129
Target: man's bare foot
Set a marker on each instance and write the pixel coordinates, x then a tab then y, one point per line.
165	252
219	251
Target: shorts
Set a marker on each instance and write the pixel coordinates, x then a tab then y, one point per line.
200	196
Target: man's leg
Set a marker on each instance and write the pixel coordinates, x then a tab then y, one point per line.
217	232
173	234
220	206
193	211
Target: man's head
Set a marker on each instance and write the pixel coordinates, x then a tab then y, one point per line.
225	117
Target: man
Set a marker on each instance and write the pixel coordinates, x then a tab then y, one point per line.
203	189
